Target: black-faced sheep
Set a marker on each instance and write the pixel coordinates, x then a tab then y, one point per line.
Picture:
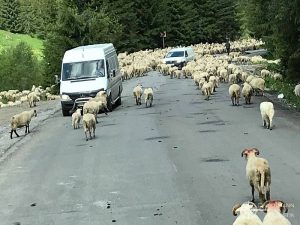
246	216
235	93
258	173
89	125
274	210
20	120
267	114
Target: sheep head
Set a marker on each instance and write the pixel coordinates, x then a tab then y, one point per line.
242	207
250	152
275	204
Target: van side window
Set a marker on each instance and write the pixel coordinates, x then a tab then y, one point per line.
186	54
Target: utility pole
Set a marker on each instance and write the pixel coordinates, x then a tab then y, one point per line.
163	35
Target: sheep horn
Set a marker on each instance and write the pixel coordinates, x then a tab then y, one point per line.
235	208
257	151
283	208
253	204
243	152
263	206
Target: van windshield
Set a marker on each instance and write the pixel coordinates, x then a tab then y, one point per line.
175	54
83	70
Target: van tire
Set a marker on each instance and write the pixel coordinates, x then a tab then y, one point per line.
65	112
119	101
109	104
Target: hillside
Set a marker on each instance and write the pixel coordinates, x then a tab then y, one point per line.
8	39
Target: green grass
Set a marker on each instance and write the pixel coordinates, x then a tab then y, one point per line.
8	39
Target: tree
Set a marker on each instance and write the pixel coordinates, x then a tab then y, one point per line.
9	15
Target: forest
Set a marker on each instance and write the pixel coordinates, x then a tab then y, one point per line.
133	25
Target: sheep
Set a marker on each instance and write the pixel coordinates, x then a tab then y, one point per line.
246	217
89	125
137	93
148	94
258	173
102	96
258	84
93	106
32	99
267	114
234	92
297	90
247	92
20	120
76	117
206	89
274	210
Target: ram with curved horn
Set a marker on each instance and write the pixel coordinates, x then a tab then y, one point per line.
275	210
246	214
258	173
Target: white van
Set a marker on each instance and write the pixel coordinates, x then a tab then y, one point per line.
85	71
179	56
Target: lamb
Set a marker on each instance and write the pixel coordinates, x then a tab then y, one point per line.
20	120
297	90
102	96
137	93
274	210
76	117
258	173
148	94
235	92
246	217
247	92
89	125
258	84
267	114
32	99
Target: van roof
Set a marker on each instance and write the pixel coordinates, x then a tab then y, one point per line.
180	49
88	52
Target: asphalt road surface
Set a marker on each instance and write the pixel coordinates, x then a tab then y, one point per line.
178	162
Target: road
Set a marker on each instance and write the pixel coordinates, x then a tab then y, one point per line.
178	162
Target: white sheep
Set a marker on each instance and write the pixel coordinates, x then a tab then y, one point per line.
258	173
297	90
89	125
93	106
258	84
32	98
148	94
20	120
235	92
247	92
267	113
206	89
274	210
76	117
246	216
137	93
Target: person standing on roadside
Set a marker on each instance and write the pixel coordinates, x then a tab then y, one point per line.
227	46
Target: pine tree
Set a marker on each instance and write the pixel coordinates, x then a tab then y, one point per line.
10	16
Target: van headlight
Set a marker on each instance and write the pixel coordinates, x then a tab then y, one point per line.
65	97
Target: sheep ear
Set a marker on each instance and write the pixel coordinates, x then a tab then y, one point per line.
235	208
244	152
256	151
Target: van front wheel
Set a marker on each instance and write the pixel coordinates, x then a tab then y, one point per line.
109	104
65	112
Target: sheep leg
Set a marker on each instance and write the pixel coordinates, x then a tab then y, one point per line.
261	197
86	137
232	100
90	134
268	195
252	192
14	132
27	127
